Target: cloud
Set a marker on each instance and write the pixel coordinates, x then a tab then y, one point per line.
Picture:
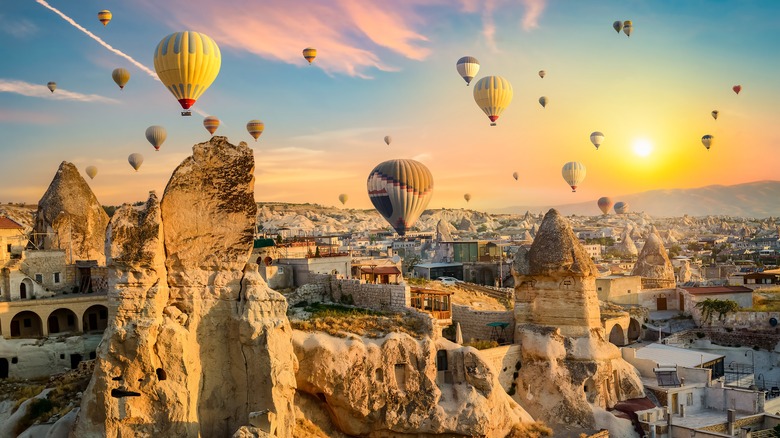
533	10
18	28
142	67
29	117
40	90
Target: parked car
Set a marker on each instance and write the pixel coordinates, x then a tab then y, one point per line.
449	281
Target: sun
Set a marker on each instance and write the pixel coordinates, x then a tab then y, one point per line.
643	147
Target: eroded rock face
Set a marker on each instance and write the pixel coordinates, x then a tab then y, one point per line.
626	247
391	387
70	217
653	262
568	367
685	274
194	330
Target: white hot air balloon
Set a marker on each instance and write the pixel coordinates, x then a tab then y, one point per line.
573	172
135	160
388	139
91	171
596	138
467	67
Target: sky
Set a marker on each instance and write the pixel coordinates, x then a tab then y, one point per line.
388	68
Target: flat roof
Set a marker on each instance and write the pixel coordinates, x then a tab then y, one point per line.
437	265
667	355
717	290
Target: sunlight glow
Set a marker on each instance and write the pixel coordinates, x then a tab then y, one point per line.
643	147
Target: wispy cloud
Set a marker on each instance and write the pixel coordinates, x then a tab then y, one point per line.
489	25
140	66
40	90
18	28
533	10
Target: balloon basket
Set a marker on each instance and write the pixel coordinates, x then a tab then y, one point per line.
186	113
492	124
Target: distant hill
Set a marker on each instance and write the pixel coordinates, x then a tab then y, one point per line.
757	199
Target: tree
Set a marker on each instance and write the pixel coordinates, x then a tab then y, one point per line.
721	307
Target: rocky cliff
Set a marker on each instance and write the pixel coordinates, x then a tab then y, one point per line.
69	217
569	372
196	340
653	262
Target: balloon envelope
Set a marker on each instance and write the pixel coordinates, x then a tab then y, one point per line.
604	204
515	175
618	26
120	76
388	139
467	197
135	160
707	141
715	114
187	63
573	173
467	67
156	136
104	16
621	207
493	94
211	123
255	128
737	88
543	101
309	54
343	198
51	86
400	190
542	73
628	27
596	138
91	171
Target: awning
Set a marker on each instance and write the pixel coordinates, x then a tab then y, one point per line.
380	270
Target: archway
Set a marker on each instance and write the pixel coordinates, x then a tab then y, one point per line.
62	320
634	330
95	318
25	289
26	324
616	336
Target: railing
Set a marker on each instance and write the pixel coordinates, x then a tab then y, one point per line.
657	283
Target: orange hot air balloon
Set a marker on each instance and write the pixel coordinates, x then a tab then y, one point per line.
737	88
104	16
211	123
309	54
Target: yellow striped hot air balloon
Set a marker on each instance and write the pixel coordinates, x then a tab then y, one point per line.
104	16
120	76
493	94
310	53
400	190
187	63
51	86
573	172
255	128
211	123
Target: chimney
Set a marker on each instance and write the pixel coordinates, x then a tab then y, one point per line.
682	410
731	420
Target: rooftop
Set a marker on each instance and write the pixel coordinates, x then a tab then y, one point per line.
9	224
668	355
716	290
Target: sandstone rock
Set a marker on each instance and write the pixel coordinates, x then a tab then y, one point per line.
626	247
70	217
443	231
568	370
653	262
391	387
194	330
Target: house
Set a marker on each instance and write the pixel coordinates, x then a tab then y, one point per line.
766	278
690	296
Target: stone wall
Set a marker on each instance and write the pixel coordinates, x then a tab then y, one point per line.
47	263
738	320
473	323
736	338
382	297
505	361
35	359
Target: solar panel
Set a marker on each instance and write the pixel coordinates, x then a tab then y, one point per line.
666	377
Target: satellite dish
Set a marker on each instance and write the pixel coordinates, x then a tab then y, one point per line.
773	322
397	259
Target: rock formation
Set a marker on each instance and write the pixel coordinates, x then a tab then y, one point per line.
391	387
443	231
70	218
569	371
653	262
196	340
626	247
685	274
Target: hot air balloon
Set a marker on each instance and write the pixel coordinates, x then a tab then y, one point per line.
255	128
714	114
104	16
156	136
628	27
343	198
515	175
91	171
707	141
388	139
618	26
542	73
467	197
400	190
573	172
52	86
621	207
493	94
211	123
120	76
596	138
135	160
737	88
468	66
604	204
187	63
543	101
309	54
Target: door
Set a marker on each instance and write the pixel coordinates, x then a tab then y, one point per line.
682	303
23	291
54	324
660	303
92	322
3	368
15	330
74	361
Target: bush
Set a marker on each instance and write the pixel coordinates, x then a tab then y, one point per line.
700	335
481	344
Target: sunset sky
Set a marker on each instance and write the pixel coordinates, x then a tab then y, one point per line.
388	68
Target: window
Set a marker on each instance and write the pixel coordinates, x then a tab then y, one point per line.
599	289
689	399
9	247
56	277
71	321
39	278
27	322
